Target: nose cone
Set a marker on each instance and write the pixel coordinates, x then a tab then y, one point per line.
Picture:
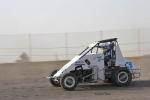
67	67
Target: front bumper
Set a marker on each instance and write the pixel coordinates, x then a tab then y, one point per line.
53	78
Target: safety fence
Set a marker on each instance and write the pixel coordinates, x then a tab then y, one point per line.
64	46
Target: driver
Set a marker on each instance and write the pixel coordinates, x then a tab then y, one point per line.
107	55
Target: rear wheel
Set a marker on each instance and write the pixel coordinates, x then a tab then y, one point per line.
53	81
122	77
69	82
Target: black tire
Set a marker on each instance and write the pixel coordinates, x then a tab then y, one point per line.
54	83
122	77
65	82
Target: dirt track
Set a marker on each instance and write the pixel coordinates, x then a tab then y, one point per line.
26	81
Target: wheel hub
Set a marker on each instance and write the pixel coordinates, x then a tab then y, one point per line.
123	77
69	81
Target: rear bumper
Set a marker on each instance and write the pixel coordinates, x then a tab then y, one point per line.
136	73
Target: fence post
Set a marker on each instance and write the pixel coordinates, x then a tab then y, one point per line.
30	45
139	41
101	35
66	45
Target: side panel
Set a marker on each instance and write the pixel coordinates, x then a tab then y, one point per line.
97	65
120	61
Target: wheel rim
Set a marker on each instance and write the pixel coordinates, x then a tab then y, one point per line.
123	77
69	81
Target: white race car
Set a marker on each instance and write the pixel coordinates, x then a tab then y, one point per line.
100	61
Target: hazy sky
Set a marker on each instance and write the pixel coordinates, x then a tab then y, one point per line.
52	16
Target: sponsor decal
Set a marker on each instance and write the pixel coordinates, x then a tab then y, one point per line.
77	63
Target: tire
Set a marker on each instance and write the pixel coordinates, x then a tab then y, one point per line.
54	83
122	77
69	82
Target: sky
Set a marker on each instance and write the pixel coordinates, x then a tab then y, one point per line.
60	16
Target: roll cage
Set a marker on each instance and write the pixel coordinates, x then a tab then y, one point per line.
108	44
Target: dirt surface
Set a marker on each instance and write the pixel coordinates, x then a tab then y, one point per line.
26	81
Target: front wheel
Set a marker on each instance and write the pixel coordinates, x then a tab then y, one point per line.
52	81
69	82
